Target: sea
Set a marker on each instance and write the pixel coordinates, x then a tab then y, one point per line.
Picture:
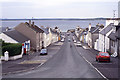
64	25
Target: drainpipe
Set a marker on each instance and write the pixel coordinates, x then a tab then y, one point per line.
104	40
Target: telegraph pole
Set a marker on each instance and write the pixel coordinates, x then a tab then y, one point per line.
114	16
114	13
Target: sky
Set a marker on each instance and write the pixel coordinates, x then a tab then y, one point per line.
58	8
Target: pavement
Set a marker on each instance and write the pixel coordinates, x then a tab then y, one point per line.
29	62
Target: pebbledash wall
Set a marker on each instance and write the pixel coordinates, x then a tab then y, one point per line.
119	9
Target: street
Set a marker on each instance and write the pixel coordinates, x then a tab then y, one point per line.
67	63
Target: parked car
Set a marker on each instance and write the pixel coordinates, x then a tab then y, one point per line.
79	45
68	34
78	42
43	52
103	56
75	41
62	40
69	40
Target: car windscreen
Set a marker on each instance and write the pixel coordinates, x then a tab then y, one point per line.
43	51
104	54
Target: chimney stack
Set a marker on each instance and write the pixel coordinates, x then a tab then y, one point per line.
30	22
89	26
33	23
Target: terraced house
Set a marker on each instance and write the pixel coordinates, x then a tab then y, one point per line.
33	32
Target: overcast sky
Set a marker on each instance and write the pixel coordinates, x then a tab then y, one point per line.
58	8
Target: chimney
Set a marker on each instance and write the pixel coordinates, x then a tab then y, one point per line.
30	22
33	23
7	29
89	26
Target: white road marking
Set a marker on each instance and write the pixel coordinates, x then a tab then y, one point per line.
94	67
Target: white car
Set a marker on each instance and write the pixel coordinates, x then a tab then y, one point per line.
78	42
43	52
75	41
62	40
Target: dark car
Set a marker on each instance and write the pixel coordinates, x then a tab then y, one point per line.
43	52
103	56
69	40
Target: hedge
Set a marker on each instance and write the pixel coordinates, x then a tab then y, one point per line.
13	49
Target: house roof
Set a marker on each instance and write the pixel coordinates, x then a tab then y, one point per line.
96	29
117	34
45	30
92	29
54	31
107	29
16	36
112	36
36	28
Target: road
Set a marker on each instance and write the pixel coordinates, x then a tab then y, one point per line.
67	63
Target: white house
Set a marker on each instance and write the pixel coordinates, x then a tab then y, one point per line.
14	36
49	36
115	21
114	47
119	9
103	37
93	35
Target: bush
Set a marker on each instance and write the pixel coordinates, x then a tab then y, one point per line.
13	49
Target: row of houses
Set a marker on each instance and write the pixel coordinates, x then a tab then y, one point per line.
102	38
31	36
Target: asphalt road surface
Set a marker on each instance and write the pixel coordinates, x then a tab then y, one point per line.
67	63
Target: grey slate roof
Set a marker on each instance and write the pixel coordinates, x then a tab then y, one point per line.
16	36
92	29
107	29
96	30
45	30
117	34
36	28
112	36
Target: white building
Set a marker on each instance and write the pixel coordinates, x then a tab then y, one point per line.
49	36
119	9
14	36
103	37
112	21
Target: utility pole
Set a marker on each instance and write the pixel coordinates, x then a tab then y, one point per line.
114	13
114	16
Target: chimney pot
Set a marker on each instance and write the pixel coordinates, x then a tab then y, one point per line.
30	22
89	26
33	23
